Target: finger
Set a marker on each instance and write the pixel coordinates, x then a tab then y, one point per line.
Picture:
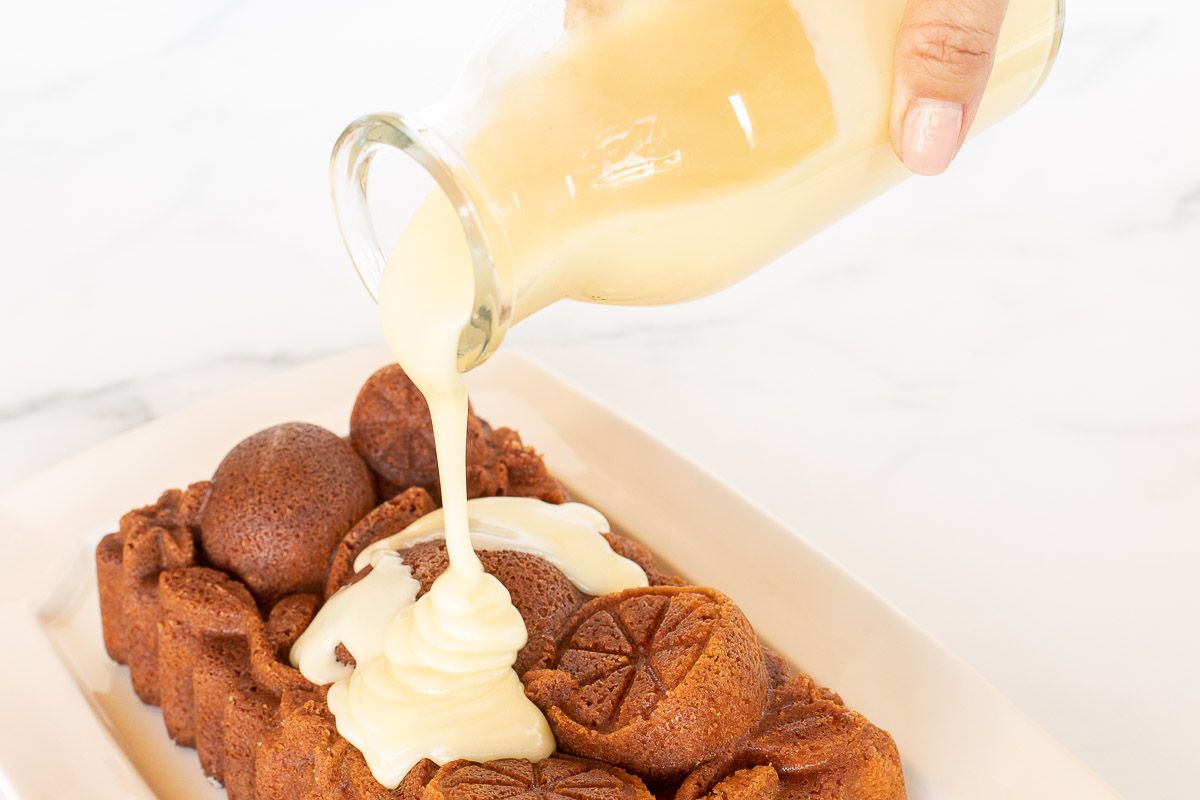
944	55
582	12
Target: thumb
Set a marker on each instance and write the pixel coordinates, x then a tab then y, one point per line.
944	55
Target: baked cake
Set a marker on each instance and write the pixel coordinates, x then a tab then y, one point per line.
656	692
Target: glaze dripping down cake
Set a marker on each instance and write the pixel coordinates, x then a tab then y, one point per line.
656	692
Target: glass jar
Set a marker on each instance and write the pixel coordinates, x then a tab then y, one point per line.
646	151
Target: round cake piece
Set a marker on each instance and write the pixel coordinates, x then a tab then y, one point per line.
655	680
556	778
281	501
391	429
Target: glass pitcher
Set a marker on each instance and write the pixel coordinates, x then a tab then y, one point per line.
647	151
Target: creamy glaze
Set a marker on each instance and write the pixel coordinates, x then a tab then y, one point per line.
567	535
779	131
434	677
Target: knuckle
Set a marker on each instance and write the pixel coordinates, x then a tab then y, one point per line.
961	49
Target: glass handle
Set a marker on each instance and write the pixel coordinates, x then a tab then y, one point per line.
362	140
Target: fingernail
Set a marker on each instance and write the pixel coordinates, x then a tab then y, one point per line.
931	130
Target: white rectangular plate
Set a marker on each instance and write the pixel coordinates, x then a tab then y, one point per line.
73	727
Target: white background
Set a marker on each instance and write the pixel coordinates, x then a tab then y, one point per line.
980	393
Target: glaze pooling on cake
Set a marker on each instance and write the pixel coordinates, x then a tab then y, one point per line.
441	684
434	678
199	643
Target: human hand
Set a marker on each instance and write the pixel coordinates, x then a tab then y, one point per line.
943	58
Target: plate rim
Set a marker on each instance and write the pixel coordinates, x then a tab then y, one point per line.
42	607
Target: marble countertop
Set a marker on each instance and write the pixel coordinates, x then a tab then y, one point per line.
980	393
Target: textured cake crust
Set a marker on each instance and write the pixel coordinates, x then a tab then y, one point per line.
654	680
666	685
819	748
128	563
557	778
391	429
387	519
281	501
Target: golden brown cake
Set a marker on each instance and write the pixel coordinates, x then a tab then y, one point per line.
389	517
390	427
280	502
556	778
660	692
818	747
150	540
